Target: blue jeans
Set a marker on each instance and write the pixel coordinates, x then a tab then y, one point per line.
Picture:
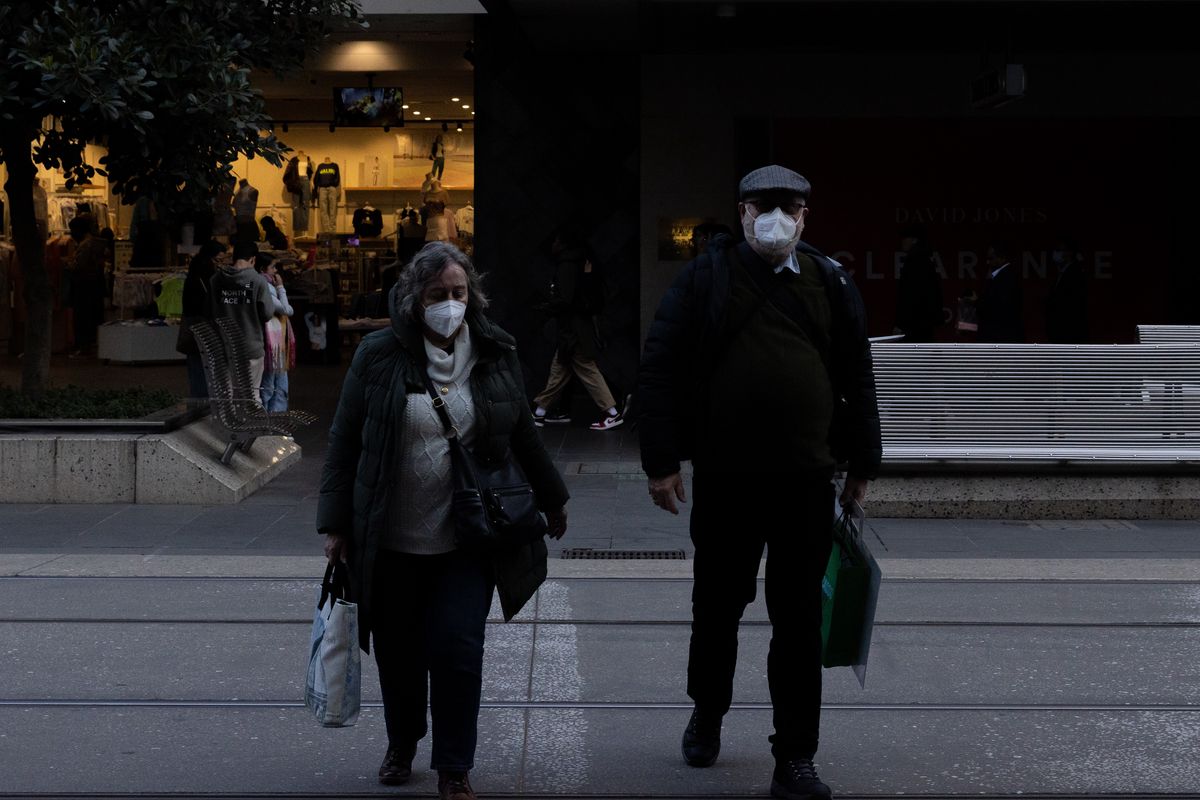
274	390
428	626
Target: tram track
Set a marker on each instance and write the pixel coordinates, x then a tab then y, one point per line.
579	705
500	795
315	580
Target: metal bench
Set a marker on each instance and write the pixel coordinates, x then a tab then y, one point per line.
1038	404
1168	334
235	406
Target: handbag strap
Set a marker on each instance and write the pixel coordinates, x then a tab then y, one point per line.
439	406
336	584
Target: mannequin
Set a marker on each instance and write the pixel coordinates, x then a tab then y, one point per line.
328	182
297	179
375	172
245	210
224	222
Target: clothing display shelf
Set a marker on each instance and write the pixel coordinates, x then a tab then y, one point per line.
359	268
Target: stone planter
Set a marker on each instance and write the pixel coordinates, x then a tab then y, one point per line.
104	466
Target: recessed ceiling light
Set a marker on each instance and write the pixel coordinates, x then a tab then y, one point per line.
453	99
416	113
404	106
466	106
472	113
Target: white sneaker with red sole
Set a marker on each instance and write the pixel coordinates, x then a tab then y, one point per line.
609	422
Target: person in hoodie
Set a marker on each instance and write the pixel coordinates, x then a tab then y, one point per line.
241	294
576	297
385	507
279	341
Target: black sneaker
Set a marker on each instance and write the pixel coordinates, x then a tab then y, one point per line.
702	740
551	418
796	779
397	765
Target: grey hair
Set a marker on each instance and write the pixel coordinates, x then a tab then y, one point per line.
429	262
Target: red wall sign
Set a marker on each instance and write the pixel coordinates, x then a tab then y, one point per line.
1107	183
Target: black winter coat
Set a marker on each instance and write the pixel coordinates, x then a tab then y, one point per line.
360	465
919	296
576	299
1001	308
679	355
1067	307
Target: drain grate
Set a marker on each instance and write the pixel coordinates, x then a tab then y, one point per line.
623	555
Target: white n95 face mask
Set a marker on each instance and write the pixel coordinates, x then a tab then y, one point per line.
446	317
775	232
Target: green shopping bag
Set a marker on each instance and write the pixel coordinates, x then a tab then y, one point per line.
849	592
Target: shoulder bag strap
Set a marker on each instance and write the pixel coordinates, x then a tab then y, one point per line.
439	405
460	458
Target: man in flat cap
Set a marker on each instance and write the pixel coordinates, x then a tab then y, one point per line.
756	350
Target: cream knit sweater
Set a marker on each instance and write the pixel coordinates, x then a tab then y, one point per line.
420	512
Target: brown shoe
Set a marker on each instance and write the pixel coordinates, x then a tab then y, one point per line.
454	786
397	765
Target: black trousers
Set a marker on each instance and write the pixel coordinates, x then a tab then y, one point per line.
428	620
733	518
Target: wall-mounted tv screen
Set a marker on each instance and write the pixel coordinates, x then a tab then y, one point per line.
361	106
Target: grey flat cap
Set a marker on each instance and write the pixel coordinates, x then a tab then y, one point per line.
774	177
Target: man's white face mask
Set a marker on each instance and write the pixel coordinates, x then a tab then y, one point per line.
772	234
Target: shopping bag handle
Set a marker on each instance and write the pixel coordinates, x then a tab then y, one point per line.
336	583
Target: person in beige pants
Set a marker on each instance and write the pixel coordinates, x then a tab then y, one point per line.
575	301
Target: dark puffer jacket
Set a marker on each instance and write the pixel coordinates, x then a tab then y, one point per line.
360	466
679	355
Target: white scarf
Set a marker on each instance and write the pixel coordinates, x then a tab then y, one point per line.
450	367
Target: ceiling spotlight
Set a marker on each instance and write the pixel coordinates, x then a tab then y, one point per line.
459	128
472	113
445	127
465	105
454	100
416	113
404	106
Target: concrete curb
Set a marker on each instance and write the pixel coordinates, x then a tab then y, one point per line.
50	565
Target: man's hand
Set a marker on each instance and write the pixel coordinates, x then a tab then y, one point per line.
557	523
665	491
336	547
855	490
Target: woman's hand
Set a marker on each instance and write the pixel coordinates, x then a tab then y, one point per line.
557	522
336	547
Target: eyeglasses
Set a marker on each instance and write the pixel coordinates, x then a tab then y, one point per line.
790	204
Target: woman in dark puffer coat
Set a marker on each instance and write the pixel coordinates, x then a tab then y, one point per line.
385	506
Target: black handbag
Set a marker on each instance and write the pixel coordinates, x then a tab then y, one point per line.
493	505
